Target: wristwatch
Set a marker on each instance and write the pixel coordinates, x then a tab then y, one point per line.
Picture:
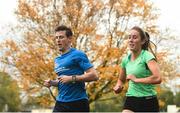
74	79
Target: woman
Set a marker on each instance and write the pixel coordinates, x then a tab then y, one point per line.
140	68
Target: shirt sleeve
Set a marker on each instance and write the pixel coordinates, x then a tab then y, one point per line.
124	62
83	61
148	56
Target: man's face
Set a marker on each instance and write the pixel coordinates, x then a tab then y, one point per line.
62	40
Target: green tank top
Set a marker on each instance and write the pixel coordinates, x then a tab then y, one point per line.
139	69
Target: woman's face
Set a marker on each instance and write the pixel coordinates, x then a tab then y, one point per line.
134	41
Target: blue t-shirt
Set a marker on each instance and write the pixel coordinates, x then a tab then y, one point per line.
74	62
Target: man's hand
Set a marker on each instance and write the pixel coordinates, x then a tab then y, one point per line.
65	79
47	83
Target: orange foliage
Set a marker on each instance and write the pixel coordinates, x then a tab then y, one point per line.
33	56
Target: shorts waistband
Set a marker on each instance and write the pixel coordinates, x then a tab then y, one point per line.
150	97
145	97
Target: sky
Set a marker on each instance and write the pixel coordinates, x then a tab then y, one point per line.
168	9
169	14
7	16
7	11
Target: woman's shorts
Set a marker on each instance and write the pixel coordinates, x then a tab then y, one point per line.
142	104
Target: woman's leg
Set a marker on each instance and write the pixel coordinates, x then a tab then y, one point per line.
127	111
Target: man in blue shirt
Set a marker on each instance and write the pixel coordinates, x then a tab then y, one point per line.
73	69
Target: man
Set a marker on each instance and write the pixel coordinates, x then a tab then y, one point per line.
73	69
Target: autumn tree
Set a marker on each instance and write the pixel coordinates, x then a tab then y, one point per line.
169	59
10	94
99	27
177	99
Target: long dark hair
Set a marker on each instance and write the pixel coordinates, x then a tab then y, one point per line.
145	37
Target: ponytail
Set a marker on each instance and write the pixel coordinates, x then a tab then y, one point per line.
148	45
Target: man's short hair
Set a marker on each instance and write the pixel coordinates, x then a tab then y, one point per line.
64	28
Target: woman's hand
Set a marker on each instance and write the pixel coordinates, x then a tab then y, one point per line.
118	88
131	77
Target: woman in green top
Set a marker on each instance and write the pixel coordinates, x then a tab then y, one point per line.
140	68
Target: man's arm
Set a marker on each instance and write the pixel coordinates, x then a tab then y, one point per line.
88	76
49	83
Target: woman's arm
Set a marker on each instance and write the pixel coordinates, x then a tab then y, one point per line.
155	78
121	80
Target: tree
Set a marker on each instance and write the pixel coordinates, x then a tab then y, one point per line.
9	96
108	103
166	97
99	30
177	99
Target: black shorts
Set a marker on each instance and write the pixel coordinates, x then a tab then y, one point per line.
142	104
75	106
